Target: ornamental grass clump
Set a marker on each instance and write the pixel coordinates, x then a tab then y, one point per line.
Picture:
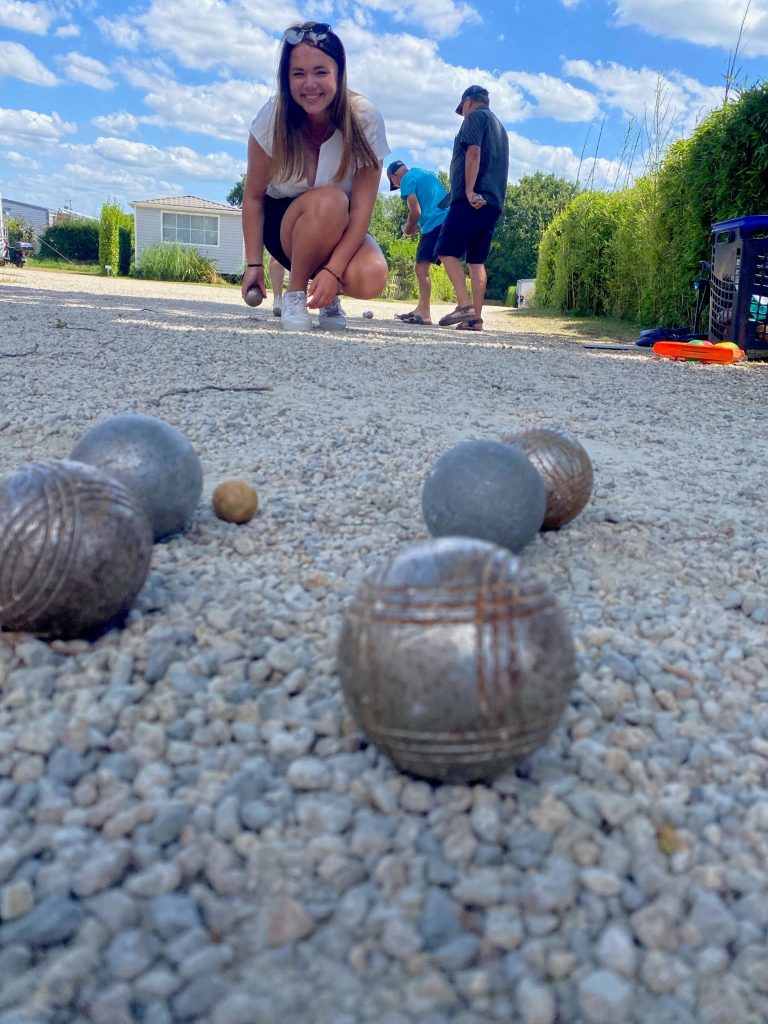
170	261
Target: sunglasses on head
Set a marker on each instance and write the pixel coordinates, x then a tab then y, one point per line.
314	32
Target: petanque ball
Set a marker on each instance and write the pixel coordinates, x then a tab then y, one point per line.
75	548
454	660
487	490
565	468
368	314
235	501
254	297
152	458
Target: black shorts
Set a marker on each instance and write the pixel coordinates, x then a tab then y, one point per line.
426	251
467	233
274	211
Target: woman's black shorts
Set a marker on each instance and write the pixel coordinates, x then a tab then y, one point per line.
274	211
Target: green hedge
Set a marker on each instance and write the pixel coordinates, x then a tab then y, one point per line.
115	238
636	253
71	240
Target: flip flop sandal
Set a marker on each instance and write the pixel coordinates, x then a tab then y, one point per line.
459	315
412	318
470	325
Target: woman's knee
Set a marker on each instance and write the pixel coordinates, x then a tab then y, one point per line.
328	204
369	278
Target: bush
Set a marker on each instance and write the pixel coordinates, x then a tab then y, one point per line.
115	238
72	240
170	261
126	248
18	230
509	299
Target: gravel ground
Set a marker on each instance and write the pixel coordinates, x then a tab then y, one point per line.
191	829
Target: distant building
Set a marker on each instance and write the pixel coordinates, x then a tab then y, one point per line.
213	228
525	290
39	217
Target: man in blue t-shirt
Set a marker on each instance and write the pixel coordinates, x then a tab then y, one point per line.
424	195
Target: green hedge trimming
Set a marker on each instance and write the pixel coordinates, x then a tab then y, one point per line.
636	253
71	239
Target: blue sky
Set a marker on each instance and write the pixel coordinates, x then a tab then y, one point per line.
154	98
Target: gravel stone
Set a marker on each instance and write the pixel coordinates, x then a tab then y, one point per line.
193	828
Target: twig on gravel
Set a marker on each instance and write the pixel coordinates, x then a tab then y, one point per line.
17	355
75	327
206	387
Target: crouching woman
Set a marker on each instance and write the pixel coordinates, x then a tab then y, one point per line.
315	153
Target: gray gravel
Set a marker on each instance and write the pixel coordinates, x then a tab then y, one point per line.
191	829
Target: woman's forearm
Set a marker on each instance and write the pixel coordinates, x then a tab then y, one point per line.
253	228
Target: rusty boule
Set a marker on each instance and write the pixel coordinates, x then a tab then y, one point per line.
75	549
565	467
455	660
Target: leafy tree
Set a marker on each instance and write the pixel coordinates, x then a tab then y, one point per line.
529	207
389	213
235	194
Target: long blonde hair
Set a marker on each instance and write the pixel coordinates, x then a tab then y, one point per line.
289	151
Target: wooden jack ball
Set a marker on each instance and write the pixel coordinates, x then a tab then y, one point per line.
235	501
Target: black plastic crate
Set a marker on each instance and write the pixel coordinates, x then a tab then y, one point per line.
738	304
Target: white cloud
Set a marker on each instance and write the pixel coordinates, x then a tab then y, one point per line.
704	22
18	127
681	101
16	61
122	32
555	98
223	110
67	31
167	160
527	156
570	3
119	123
35	18
205	34
441	18
416	90
80	68
18	160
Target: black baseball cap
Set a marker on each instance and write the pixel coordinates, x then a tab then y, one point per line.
473	92
393	168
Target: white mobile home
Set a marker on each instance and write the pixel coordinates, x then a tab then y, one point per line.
40	217
213	228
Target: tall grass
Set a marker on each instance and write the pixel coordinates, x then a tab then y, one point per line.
169	261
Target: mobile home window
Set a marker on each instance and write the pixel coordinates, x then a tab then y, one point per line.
190	229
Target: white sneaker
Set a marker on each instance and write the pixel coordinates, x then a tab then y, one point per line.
295	316
332	317
277	307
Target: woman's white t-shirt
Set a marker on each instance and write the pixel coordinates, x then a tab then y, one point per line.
372	124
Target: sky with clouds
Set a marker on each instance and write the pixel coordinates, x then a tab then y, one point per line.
108	101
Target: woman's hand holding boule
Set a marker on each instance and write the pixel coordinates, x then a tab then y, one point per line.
253	280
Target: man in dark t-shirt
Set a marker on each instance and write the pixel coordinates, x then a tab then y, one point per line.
479	170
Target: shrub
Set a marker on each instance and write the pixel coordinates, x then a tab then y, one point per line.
115	234
18	230
126	248
73	240
509	299
170	261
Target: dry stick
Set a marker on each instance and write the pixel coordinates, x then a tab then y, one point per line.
206	387
17	355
